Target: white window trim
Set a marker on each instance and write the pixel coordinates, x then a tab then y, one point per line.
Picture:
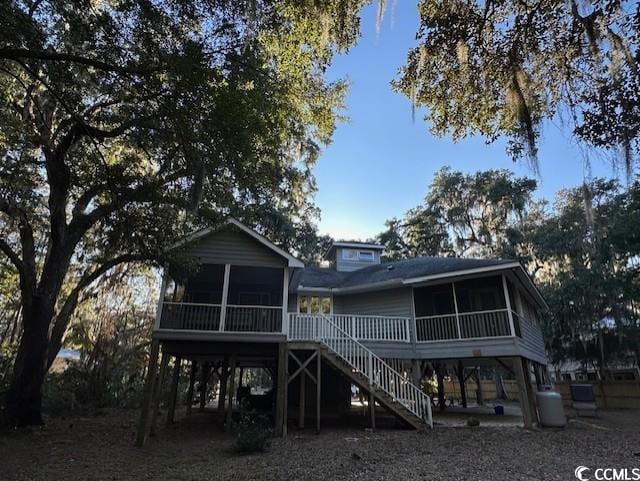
358	255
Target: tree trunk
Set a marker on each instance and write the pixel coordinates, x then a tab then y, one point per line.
24	398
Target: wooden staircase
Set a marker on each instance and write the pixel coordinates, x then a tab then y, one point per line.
359	364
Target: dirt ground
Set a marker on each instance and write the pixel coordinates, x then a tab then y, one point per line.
101	448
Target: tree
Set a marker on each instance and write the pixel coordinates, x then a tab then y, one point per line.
395	248
463	214
126	124
501	68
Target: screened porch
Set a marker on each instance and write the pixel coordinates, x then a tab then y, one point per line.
466	309
226	298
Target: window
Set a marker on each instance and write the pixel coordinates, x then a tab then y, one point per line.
357	255
314	305
365	256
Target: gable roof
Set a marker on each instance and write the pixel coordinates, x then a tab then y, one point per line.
291	260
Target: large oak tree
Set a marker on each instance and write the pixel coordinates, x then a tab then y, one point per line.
126	123
502	67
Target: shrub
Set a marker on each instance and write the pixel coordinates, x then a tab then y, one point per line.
252	432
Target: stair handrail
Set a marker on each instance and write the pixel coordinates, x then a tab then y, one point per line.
376	370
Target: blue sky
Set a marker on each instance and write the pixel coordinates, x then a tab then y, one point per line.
381	162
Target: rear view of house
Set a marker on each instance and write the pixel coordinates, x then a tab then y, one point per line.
359	322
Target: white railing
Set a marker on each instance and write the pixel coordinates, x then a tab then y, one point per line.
464	325
361	327
377	372
198	316
374	328
194	316
253	318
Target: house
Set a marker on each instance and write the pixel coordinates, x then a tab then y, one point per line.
360	322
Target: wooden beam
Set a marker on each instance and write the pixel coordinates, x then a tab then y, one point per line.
232	387
302	366
281	390
479	394
527	416
223	379
149	387
158	392
318	388
463	391
301	411
372	409
192	381
440	379
205	370
173	392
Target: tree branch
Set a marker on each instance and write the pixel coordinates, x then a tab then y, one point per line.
64	315
52	55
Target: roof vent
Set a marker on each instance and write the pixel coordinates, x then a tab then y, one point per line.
389	268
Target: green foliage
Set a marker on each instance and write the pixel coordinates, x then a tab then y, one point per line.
463	214
252	433
582	250
502	68
126	125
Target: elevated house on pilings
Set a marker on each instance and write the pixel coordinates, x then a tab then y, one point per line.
379	326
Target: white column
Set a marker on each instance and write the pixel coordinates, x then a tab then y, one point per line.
163	288
508	304
455	306
285	301
225	293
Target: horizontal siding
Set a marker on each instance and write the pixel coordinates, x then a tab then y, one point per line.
390	302
292	304
231	246
532	342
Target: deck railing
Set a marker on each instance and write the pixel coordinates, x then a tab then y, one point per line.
253	318
378	373
194	316
464	325
361	327
197	316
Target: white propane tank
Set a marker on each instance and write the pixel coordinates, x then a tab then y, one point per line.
551	409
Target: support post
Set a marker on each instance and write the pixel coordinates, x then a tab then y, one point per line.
479	393
158	393
224	378
416	373
527	416
301	412
149	388
175	380
281	390
285	302
372	409
204	380
440	378
232	387
318	389
455	306
225	293
463	391
507	301
192	381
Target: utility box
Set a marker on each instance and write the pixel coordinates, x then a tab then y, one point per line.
551	409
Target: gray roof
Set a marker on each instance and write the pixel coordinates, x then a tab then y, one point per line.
315	277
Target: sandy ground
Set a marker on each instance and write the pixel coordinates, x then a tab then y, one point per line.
101	448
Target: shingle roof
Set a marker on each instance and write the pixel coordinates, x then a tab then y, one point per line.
389	271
